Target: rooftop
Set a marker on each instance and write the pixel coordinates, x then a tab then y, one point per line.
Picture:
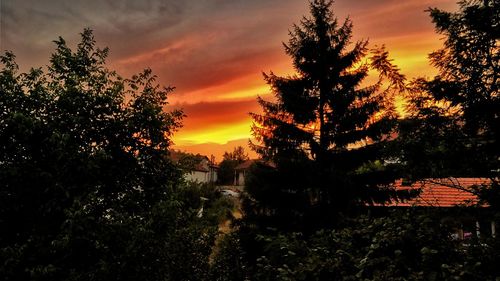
442	192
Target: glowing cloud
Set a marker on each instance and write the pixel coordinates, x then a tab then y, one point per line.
212	51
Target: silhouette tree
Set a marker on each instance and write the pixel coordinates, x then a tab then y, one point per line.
468	64
87	191
225	174
454	124
325	129
238	154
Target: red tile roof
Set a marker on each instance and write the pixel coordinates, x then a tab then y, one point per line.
443	192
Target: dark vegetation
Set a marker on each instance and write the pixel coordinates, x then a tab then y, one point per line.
225	174
309	217
88	191
325	132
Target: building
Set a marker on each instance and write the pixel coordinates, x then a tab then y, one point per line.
203	172
442	192
196	168
455	200
241	171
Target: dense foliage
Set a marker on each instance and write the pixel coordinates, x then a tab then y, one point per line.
454	117
469	65
401	245
451	130
87	189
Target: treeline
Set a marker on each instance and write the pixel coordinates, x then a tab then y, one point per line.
88	190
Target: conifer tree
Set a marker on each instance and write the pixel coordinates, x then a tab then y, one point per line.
325	127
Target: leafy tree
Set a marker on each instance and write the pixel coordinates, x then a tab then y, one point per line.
469	70
186	161
238	154
225	174
431	141
325	129
455	116
88	192
469	66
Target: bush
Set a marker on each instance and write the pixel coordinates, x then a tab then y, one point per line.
402	246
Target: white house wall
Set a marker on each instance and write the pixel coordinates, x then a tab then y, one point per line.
198	176
240	178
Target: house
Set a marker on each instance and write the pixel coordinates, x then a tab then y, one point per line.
442	192
455	200
196	168
240	172
203	172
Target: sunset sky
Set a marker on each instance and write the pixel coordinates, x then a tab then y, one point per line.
212	51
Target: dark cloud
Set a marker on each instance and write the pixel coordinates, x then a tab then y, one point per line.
218	33
29	26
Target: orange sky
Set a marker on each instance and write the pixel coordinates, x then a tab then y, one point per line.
214	51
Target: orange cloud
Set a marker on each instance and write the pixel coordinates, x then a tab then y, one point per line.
220	133
212	51
216	122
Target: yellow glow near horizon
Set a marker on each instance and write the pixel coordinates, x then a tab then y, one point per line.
245	93
409	52
215	134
